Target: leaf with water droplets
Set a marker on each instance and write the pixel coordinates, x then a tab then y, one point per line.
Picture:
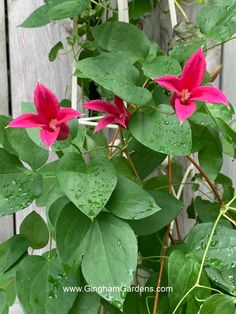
117	75
42	282
220	261
216	19
219	304
19	187
159	130
87	185
161	66
121	38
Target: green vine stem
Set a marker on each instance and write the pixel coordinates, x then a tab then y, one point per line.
197	284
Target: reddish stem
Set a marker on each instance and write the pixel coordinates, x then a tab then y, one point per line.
163	258
213	188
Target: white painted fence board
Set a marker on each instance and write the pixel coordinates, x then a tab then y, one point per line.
6	222
29	63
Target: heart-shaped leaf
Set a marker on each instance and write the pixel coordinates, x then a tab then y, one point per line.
87	185
161	131
131	201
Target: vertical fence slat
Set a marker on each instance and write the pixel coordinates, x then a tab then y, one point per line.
6	222
228	86
29	63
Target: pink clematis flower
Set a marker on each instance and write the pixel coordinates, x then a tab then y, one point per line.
117	113
50	117
187	87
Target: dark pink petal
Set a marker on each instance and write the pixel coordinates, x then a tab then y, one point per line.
104	122
64	132
27	120
122	122
119	103
209	94
184	111
49	136
171	82
46	103
101	105
194	70
67	114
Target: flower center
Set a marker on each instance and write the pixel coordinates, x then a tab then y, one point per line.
53	124
185	95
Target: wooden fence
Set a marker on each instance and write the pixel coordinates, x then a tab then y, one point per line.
23	61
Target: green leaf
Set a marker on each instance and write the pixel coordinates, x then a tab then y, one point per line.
88	186
20	140
72	234
206	210
223	246
86	303
219	304
161	132
131	201
223	277
123	39
161	66
53	211
138	8
3	302
54	51
35	230
18	186
216	19
226	184
144	159
7	283
40	285
221	254
111	257
182	275
11	251
170	208
117	75
54	10
210	156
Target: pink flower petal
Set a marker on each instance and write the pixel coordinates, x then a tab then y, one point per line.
46	103
194	70
101	105
27	120
209	94
119	103
67	114
49	136
184	111
64	132
171	82
104	122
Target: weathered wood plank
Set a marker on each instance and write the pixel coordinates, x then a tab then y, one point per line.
228	86
6	223
29	63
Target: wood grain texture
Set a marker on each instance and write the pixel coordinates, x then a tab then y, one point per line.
228	86
6	222
29	63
